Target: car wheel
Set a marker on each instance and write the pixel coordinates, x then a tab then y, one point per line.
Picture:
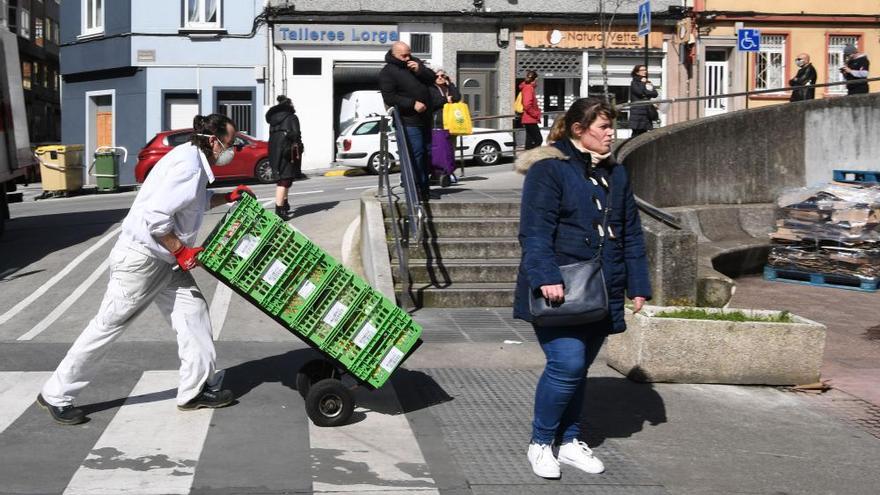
375	160
263	172
487	153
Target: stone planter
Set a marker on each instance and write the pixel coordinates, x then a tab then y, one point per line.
707	351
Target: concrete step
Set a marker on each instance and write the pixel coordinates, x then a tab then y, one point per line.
446	248
467	227
441	272
463	295
474	209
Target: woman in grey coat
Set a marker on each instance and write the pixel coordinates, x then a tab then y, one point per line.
640	89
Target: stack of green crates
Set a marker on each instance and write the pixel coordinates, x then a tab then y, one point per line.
302	287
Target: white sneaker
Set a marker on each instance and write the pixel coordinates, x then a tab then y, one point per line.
544	463
579	455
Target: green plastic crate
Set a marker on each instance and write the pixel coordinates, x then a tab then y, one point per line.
367	325
240	235
314	268
337	300
394	341
273	264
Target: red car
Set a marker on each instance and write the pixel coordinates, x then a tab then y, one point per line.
251	157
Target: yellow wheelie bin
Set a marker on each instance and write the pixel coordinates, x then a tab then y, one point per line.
61	167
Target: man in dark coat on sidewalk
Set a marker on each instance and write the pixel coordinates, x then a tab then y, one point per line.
404	82
806	77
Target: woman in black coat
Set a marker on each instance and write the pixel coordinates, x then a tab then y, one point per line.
285	151
640	89
566	190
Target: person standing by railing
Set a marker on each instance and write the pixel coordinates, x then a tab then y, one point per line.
804	80
531	116
404	82
641	89
856	68
442	144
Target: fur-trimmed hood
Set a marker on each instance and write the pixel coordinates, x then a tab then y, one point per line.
528	158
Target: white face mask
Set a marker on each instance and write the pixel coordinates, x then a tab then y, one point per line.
799	62
225	157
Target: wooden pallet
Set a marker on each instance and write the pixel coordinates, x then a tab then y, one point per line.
836	281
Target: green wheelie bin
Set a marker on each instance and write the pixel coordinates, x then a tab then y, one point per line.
106	167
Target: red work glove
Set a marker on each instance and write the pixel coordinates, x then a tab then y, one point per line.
186	257
236	193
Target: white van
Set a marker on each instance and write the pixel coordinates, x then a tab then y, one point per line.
359	104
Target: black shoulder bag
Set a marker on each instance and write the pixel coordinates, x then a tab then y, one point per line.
585	297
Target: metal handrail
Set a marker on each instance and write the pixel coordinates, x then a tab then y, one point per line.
415	213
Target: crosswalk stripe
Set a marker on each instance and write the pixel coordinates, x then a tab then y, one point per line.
18	390
219	307
59	276
149	447
382	444
66	304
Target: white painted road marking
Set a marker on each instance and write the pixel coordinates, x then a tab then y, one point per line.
66	304
360	187
219	307
18	390
381	442
149	448
59	276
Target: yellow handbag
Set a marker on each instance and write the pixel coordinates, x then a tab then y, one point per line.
457	119
518	104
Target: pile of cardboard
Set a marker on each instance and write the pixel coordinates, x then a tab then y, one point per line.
832	229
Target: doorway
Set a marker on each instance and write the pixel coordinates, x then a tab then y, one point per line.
554	99
476	82
715	81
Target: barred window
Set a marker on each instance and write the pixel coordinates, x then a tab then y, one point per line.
421	45
836	61
545	62
770	62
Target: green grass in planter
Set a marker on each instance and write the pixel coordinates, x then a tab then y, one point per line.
701	314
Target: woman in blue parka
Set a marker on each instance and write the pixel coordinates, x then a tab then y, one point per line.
560	223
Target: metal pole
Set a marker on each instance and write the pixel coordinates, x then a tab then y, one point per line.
646	56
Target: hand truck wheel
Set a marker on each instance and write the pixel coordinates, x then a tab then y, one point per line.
329	403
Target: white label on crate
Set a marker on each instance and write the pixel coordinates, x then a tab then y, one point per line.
365	335
306	289
275	271
392	359
335	314
246	245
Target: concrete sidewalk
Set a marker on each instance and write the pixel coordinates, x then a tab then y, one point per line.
470	389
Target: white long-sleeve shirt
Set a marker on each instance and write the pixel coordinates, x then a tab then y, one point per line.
174	198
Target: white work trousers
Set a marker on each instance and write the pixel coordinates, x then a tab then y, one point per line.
136	280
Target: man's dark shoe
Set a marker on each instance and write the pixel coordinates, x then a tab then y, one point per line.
209	398
66	415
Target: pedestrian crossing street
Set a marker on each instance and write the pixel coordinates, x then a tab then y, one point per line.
146	446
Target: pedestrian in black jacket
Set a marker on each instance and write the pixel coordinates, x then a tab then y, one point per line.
285	151
856	69
806	77
641	89
405	83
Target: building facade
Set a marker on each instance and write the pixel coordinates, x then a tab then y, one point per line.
36	22
787	28
324	50
131	69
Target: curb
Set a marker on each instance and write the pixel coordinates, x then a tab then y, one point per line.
349	172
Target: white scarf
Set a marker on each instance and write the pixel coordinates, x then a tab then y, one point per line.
595	158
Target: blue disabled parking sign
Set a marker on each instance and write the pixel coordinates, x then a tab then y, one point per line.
645	18
748	40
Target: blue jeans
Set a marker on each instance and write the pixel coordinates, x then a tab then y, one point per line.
419	140
559	397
